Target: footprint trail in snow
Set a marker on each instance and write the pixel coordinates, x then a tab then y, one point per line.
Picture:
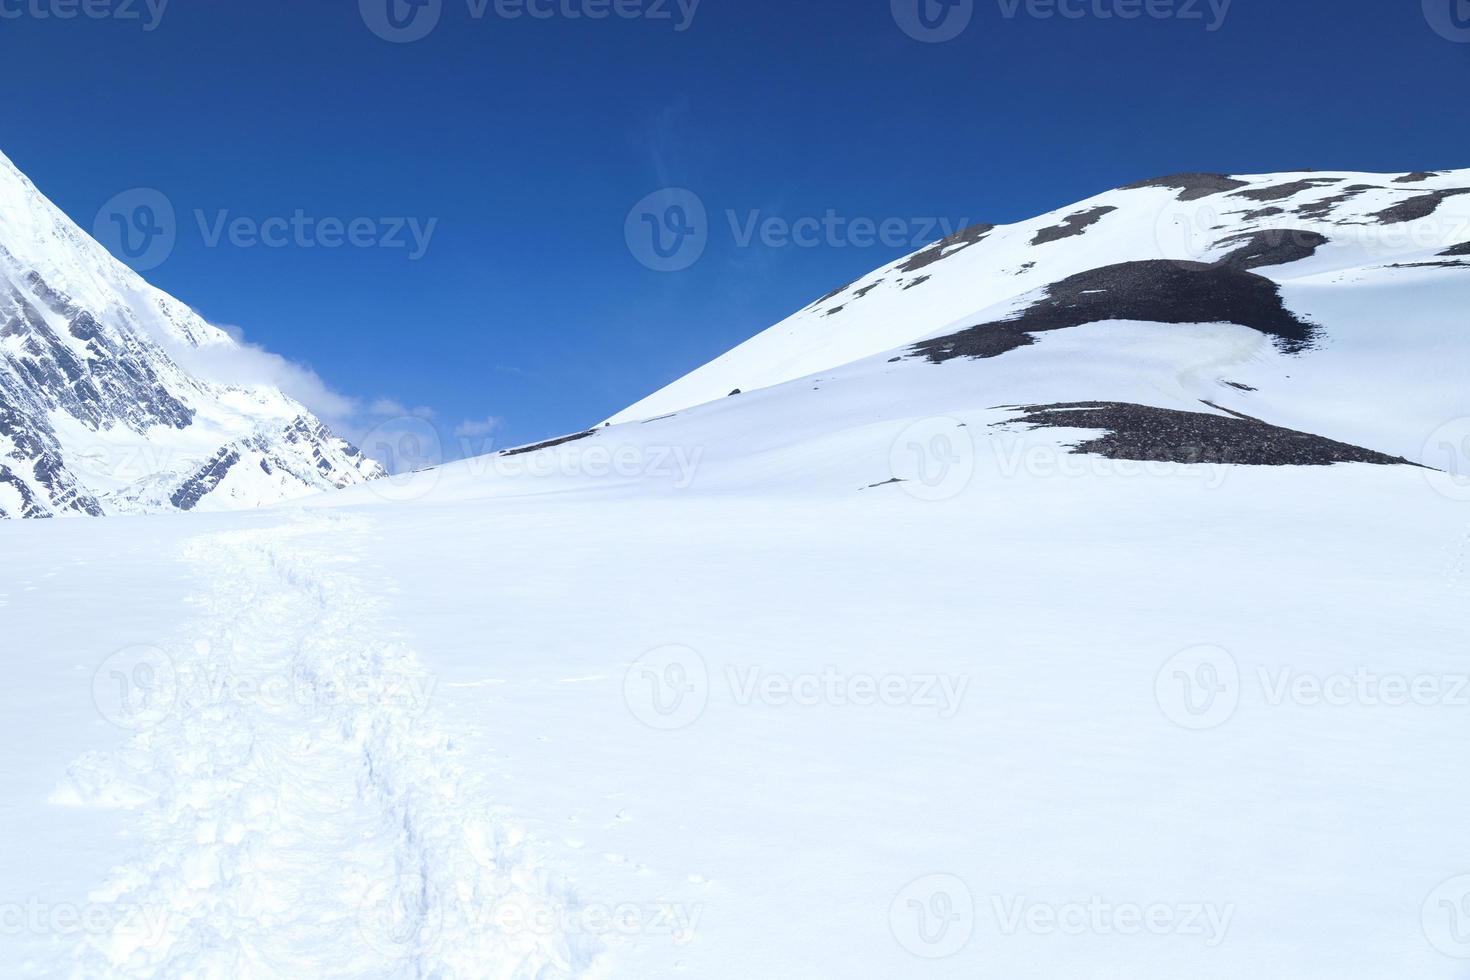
299	811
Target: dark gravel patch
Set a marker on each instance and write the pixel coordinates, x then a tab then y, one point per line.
833	294
1072	225
917	282
1461	249
1321	210
1146	434
946	247
1191	187
867	289
1418	207
1280	192
1430	265
1417	177
1158	291
1263	213
549	443
1276	246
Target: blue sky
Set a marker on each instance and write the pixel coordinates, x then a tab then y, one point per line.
518	145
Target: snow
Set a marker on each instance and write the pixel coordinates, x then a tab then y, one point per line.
710	695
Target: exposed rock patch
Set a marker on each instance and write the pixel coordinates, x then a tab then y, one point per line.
1158	291
1276	246
1072	226
1191	187
550	443
1321	210
1418	207
1280	192
1146	434
946	247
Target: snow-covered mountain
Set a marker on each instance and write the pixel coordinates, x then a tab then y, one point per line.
99	415
1338	302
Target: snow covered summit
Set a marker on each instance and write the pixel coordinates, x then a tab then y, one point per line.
99	415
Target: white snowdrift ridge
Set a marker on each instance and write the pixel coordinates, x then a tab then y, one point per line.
98	411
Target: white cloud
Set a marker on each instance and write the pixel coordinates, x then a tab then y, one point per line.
244	364
475	429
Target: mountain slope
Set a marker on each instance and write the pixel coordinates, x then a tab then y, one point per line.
97	413
1325	263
